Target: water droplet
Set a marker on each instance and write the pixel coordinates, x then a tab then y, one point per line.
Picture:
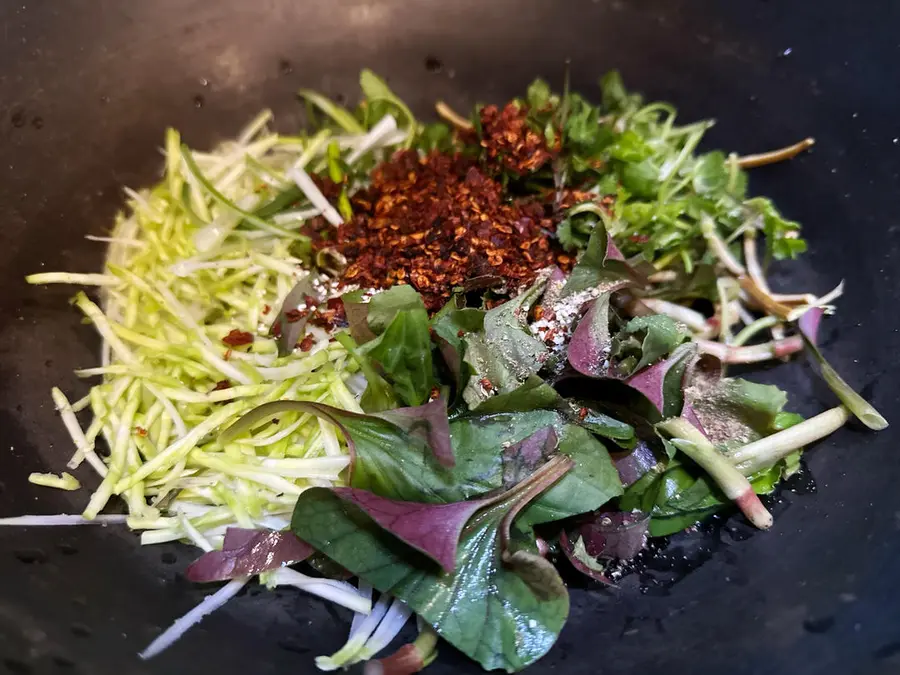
204	82
30	556
896	140
199	101
37	122
18	118
80	630
104	99
433	64
787	52
285	67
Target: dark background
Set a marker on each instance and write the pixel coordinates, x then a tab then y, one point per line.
87	88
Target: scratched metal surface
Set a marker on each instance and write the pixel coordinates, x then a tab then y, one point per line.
86	90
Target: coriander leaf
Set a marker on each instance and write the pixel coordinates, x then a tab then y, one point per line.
630	147
432	529
710	174
404	353
640	178
538	95
615	97
504	609
383	306
782	240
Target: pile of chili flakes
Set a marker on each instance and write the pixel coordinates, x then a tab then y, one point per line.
435	222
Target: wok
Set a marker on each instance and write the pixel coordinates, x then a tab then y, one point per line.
86	90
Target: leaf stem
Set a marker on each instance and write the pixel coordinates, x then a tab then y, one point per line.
773	156
530	488
765	452
447	113
691	441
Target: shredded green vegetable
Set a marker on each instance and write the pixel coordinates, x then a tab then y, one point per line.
206	252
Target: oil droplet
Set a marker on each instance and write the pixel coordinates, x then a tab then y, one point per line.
433	64
199	101
204	82
285	67
37	122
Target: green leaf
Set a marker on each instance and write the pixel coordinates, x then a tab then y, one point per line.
505	353
616	98
404	353
503	611
376	90
534	394
451	326
631	148
710	174
782	240
378	395
661	334
735	411
384	306
596	422
538	95
641	179
595	269
341	116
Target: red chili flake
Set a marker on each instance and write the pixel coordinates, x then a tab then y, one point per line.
510	141
435	392
294	315
434	222
486	383
307	342
538	312
227	355
222	384
140	431
583	413
276	329
238	338
639	238
460	333
266	309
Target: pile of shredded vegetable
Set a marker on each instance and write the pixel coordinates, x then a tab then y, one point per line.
234	412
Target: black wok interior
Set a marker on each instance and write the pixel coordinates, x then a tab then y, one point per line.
87	88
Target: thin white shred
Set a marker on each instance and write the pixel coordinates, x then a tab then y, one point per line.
315	196
63	520
210	604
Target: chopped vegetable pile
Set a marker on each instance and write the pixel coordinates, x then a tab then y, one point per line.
441	359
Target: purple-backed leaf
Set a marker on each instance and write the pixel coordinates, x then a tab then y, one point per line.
634	464
808	324
247	552
690	415
433	529
661	383
615	534
612	251
522	459
429	423
589	346
581	560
